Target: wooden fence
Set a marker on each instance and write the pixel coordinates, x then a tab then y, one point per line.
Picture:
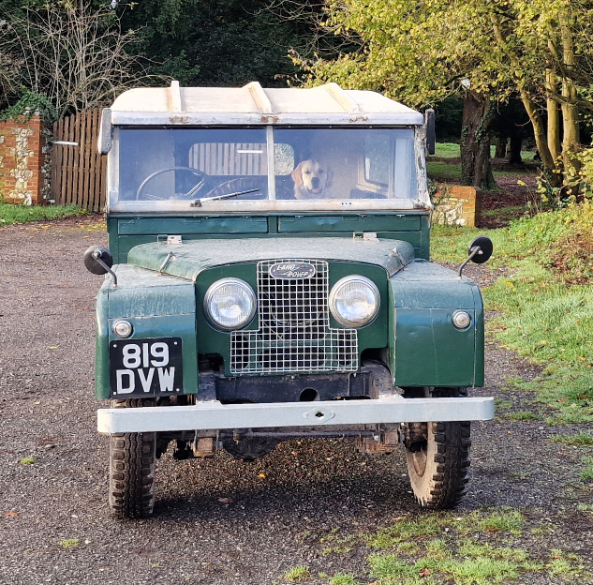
77	169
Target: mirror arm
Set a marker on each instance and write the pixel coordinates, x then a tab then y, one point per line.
97	256
475	250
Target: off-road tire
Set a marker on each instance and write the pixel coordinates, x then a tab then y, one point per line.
132	466
438	465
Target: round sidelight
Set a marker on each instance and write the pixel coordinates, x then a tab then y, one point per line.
354	301
123	329
461	319
229	304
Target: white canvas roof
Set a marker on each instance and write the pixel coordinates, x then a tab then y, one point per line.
251	104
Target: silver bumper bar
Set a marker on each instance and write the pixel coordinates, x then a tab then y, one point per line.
213	415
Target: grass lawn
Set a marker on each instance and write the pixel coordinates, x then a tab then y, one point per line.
10	214
478	548
450	170
544	303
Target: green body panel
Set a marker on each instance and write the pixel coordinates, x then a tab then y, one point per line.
192	257
211	341
156	306
418	298
127	231
427	350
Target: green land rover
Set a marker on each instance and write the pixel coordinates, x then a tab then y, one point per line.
268	277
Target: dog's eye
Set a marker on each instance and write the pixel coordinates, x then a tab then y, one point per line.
307	172
321	171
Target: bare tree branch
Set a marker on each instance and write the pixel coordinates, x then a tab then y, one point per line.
78	57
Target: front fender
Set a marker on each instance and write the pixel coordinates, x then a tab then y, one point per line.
157	306
426	348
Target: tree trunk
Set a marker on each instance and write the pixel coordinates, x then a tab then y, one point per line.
541	137
539	129
553	115
500	145
570	112
515	150
478	114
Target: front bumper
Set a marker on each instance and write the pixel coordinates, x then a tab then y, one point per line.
212	415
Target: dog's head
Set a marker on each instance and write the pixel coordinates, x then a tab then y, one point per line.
312	178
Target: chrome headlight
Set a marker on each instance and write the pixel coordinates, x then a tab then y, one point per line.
354	301
229	304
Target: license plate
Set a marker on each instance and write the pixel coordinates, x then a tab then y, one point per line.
146	367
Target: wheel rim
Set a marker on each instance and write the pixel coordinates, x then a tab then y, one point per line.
419	461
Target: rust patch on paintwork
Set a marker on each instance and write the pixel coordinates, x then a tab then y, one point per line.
179	119
270	119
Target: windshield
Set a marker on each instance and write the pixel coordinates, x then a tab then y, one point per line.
232	164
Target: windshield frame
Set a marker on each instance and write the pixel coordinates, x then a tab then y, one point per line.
422	201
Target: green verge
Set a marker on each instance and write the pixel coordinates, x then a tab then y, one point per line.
451	170
541	313
479	548
11	214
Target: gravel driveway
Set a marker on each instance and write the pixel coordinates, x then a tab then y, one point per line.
217	521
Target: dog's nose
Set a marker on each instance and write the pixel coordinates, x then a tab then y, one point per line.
315	182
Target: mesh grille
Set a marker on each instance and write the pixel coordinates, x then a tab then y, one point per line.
294	333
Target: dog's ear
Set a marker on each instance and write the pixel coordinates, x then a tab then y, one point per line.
330	178
297	176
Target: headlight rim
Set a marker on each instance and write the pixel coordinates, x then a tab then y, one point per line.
332	300
211	291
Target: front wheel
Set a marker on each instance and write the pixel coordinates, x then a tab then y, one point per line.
438	459
132	466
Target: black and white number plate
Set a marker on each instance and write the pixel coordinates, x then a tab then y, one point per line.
146	367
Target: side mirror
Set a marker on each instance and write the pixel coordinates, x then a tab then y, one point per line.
431	135
98	260
479	251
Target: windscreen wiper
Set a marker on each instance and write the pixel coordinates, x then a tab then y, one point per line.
198	202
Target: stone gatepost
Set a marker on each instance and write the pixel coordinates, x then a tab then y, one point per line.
456	205
22	160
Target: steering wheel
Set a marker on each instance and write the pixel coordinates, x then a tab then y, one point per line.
190	194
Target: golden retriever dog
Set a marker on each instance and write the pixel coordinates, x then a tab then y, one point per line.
312	180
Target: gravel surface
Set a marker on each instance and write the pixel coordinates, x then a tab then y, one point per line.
217	521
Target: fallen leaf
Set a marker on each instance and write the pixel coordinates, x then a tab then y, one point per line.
11	514
225	500
262	475
424	573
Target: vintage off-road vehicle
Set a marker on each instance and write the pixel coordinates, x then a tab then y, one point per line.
268	277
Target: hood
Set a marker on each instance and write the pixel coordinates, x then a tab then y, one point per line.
190	258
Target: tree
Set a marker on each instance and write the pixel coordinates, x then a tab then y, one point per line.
421	52
212	42
73	53
409	51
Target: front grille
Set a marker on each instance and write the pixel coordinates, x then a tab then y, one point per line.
294	332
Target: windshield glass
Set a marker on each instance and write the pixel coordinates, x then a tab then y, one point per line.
227	164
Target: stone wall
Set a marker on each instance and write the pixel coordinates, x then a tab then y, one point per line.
456	205
22	161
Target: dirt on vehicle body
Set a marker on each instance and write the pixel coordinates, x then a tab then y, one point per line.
268	279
